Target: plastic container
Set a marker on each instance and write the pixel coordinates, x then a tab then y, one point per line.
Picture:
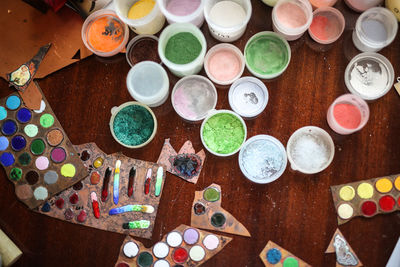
394	6
369	75
362	5
116	110
310	150
262	159
150	24
375	29
224	64
327	25
214	113
283	10
322	3
354	101
148	83
270	2
259	60
133	52
109	15
196	17
227	34
248	97
193	97
191	68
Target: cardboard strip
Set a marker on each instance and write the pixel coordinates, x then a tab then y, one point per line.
275	256
345	255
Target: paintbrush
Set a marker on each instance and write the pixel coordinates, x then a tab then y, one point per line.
104	191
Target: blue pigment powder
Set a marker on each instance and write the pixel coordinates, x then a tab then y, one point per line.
274	256
7	159
133	125
24	115
3	143
3	113
13	102
9	127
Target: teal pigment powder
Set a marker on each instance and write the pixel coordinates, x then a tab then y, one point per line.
182	48
133	125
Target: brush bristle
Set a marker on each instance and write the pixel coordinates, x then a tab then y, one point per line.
147	209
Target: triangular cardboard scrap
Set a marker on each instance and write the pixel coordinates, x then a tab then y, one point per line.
284	254
204	211
345	255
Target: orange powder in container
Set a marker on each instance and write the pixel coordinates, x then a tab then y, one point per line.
105	34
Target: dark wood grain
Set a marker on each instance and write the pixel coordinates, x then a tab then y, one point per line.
296	211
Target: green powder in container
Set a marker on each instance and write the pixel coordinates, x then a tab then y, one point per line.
133	125
182	48
267	55
223	133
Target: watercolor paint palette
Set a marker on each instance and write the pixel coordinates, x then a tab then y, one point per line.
207	213
184	246
186	164
36	152
345	255
366	198
91	202
275	256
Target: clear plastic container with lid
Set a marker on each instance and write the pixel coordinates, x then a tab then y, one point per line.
189	11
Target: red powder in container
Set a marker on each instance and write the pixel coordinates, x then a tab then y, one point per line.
368	208
325	26
387	203
348	116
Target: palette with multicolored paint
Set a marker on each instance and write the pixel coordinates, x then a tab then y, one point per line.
366	198
184	246
36	152
275	256
124	201
207	213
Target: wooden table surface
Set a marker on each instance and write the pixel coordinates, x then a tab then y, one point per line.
296	211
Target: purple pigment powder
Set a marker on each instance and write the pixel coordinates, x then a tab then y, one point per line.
182	7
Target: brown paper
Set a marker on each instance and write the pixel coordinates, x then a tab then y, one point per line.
285	254
331	249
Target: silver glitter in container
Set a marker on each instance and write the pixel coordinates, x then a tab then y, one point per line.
344	256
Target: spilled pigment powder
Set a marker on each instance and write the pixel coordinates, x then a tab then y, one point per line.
223	133
182	48
141	9
182	7
347	115
105	34
133	125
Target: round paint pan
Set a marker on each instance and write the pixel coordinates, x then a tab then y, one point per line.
327	25
248	97
369	75
133	124
267	55
262	159
142	48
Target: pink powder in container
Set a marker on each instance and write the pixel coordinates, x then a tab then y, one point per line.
327	25
183	11
182	7
322	3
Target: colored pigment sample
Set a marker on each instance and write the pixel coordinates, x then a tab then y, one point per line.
384	185
105	34
54	137
3	113
267	54
188	166
191	236
98	162
40	193
223	133
58	155
42	163
46	207
325	26
15	174
13	102
347	193
182	48
81	216
291	15
3	143
24	115
68	170
95	178
147	81
227	14
23	192
347	115
78	186
211	194
365	190
174	239
374	30
143	50
46	120
24	159
32	177
18	142
182	7
199	209
161	250
31	130
74	198
42	107
7	159
218	219
211	242
130	249
345	211
60	203
133	125
9	127
290	262
387	203
197	253
37	147
122	264
50	177
224	65
397	183
69	214
145	259
85	155
180	255
162	263
368	208
322	3
141	9
274	256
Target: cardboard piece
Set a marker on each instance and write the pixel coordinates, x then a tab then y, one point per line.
32	96
31	185
284	255
345	255
133	260
168	156
204	212
357	202
89	153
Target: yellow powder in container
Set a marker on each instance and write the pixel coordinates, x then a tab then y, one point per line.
141	9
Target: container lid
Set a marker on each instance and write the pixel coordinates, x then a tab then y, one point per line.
369	75
248	97
143	47
262	159
148	82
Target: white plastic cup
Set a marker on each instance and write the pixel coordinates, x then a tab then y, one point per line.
227	34
150	24
289	33
322	138
191	68
130	48
367	39
353	100
148	83
362	5
196	18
